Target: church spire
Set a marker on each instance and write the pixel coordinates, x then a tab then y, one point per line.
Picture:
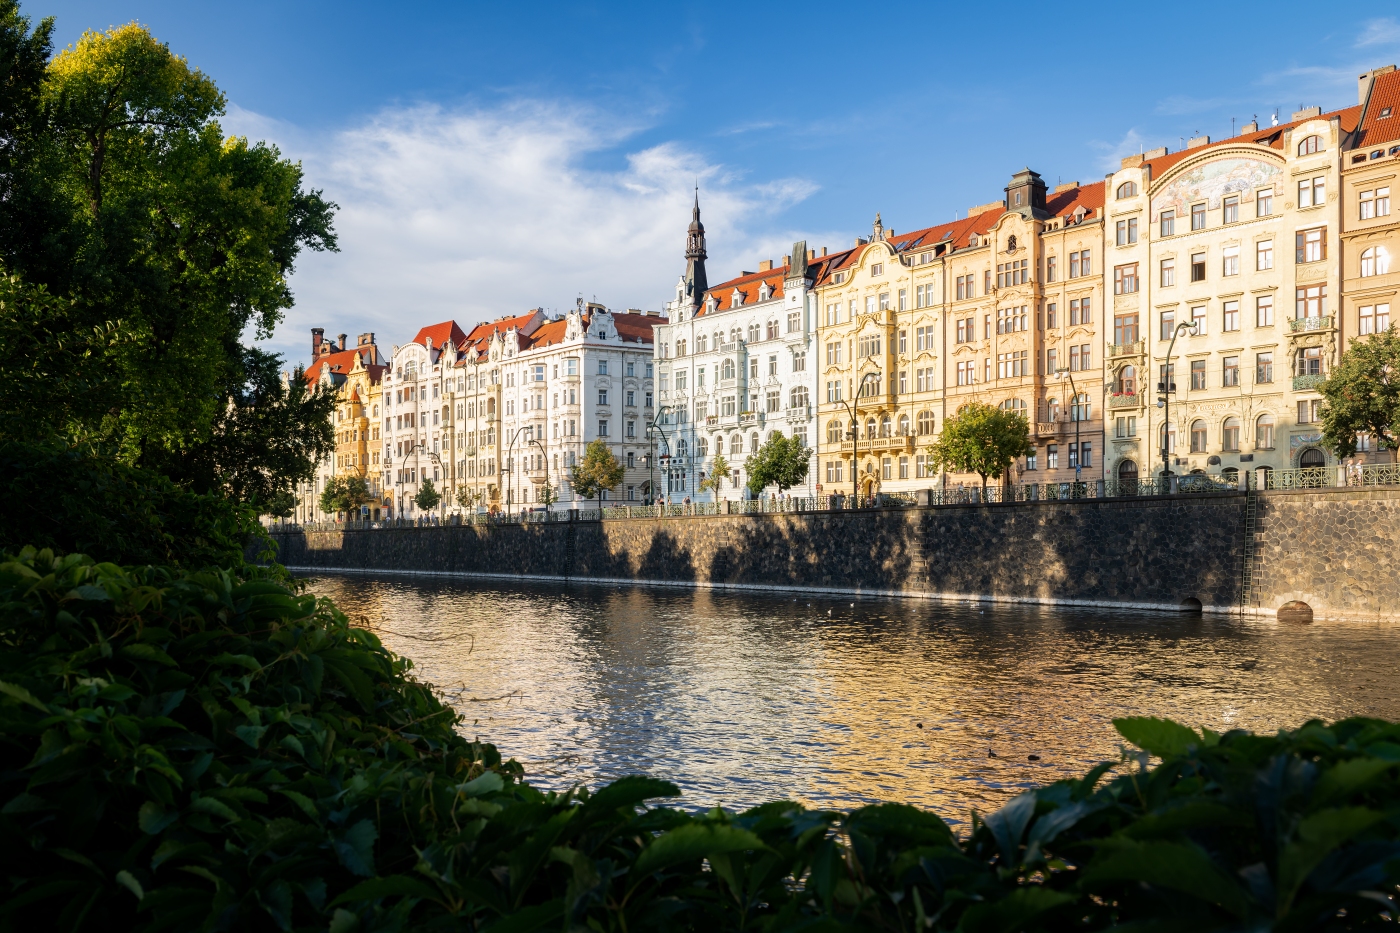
695	282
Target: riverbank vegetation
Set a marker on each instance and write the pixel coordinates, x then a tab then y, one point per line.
211	750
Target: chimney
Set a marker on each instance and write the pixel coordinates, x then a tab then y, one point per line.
812	254
366	339
1196	141
317	335
1249	128
1306	113
823	250
1132	161
1155	153
1365	82
343	344
787	260
765	265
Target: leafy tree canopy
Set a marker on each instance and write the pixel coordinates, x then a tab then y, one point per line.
982	439
781	461
428	497
1363	395
719	472
345	494
597	470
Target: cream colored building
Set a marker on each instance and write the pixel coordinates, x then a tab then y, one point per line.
1232	248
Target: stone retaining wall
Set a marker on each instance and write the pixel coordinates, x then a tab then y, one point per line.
1334	549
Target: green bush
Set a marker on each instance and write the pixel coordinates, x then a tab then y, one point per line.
78	501
211	751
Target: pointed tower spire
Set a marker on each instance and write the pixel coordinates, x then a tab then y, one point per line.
695	282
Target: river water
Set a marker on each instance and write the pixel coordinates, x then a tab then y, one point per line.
740	698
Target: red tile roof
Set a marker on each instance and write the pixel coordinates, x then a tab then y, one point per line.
748	285
341	363
440	334
1385	94
1063	204
1271	136
636	328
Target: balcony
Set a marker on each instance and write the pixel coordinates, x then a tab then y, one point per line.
1125	400
801	414
755	418
1308	383
1305	325
1126	349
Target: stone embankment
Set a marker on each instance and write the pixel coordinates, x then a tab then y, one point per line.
1331	554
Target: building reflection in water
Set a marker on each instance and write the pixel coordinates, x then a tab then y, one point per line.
741	698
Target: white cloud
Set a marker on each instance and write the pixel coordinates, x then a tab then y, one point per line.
1384	31
472	214
1111	158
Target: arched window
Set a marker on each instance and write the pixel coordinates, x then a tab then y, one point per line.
754	333
734	334
1127	190
736	445
1264	432
869	427
1198	437
885	426
925	423
772	331
1375	261
727	370
1014	404
1310	145
1230	434
1127	472
1168	433
798	398
719	339
1312	458
903	425
682	447
700	343
753	443
680	347
1127	381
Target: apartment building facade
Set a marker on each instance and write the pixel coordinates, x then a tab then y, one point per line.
355	375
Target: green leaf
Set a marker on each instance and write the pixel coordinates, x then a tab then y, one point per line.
250	734
343	921
127	880
213	807
392	886
23	695
142	652
356	848
354	681
488	782
1316	837
1178	866
691	843
152	817
529	919
1013	912
1344	779
240	660
1161	737
628	792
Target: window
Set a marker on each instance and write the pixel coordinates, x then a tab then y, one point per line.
833	315
1050	265
1198	320
967	373
923	339
1264	255
1230	316
772	367
1310	145
1230	209
903	299
1013	273
1264	311
1080	264
833	390
1168	272
771	331
1375	261
1125	280
1168	327
924	423
1310	301
1012	320
773	401
869	346
903	381
602	367
1011	365
798	397
1198	375
1375	319
1230	371
1198	216
1312	192
1198	437
986	281
903	467
1230	260
1264	433
966	331
884	301
1264	367
753	368
1127	231
1051	361
1311	245
1079	358
1310	361
1309	411
602	429
1125	427
877	269
1264	202
833	353
1167	223
886	468
1080	408
799	361
1198	267
1051	316
1052	456
923	296
1080	311
1127	190
794	324
1125	329
1230	434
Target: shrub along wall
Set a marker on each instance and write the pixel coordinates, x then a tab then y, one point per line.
1338	551
211	751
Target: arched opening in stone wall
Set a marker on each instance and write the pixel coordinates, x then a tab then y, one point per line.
1297	612
1191	605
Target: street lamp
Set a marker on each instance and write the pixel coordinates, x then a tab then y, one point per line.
1164	389
510	466
1074	413
655	427
855	430
544	461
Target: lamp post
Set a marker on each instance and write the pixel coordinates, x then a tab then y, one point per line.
855	431
1165	387
421	448
652	430
544	461
1074	412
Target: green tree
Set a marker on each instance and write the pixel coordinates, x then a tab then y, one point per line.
719	472
1362	395
428	497
781	461
281	505
345	494
164	244
596	471
465	496
982	439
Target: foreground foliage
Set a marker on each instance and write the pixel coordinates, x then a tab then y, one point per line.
209	751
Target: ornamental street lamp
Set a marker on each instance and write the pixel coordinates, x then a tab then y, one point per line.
1074	412
544	464
1165	387
510	467
652	430
855	430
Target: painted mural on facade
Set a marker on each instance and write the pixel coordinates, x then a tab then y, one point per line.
1212	181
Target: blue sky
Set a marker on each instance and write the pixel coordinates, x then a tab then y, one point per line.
494	157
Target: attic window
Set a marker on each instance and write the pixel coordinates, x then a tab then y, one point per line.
1378	153
1385	112
877	269
972	240
838	278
